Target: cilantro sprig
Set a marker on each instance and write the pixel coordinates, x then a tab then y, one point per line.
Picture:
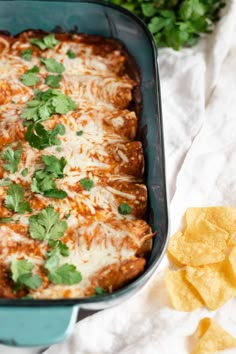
43	181
46	103
21	273
42	107
40	138
175	23
12	158
46	225
47	42
14	200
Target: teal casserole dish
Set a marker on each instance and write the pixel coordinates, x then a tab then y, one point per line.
44	322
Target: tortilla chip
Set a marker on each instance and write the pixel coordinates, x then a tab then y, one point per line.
193	253
211	283
204	231
223	217
230	267
212	338
182	294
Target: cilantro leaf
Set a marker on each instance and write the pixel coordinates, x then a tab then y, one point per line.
99	290
55	193
13	159
6	219
149	9
86	183
54	165
46	225
26	54
62	103
22	274
52	65
5	182
65	274
40	138
59	245
29	280
124	209
24	172
27	297
71	54
29	79
33	70
47	103
14	199
53	259
20	267
53	80
79	133
46	42
43	180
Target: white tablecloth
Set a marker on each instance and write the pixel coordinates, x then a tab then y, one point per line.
199	113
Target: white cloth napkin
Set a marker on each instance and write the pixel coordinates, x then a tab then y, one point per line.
199	114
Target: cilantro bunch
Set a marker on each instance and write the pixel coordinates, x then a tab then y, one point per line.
175	23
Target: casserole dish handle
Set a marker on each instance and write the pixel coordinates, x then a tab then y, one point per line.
34	326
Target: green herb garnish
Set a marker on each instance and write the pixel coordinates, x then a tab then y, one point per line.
176	23
46	225
22	274
24	172
6	219
71	54
5	182
40	138
124	209
43	179
47	103
14	200
65	274
86	183
29	79
53	66
26	54
53	80
99	290
61	246
79	133
46	42
13	159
